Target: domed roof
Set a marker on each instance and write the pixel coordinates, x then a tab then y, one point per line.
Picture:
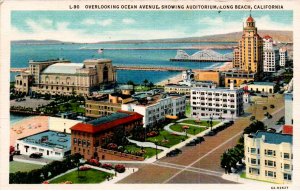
63	68
250	19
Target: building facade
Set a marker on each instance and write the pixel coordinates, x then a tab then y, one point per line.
250	55
216	102
269	157
283	56
238	78
208	75
259	87
106	106
64	78
271	55
52	144
89	138
156	108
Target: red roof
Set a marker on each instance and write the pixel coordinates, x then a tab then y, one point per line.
267	37
89	128
250	19
287	129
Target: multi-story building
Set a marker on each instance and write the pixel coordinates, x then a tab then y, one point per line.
236	58
186	89
283	56
107	105
216	102
250	56
238	78
271	55
208	75
88	138
65	78
156	107
269	157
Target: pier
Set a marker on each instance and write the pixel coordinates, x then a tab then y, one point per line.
145	68
206	55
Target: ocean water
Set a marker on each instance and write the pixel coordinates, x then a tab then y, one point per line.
21	54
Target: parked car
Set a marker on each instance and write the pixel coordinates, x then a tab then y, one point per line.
36	155
192	143
211	133
171	154
178	151
201	139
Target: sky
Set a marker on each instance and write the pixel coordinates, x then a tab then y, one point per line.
95	26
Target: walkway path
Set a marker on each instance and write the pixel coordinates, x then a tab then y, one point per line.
192	125
146	144
167	128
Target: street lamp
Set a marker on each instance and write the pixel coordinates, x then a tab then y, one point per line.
185	127
155	141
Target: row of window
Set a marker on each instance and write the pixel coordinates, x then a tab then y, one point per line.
83	142
269	152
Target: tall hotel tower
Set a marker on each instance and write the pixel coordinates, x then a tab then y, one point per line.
250	50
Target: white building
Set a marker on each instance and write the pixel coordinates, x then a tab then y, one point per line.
271	55
283	56
52	144
259	87
216	102
156	108
269	157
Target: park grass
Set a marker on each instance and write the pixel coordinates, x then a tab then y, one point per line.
75	107
191	130
85	177
15	166
165	135
202	123
149	151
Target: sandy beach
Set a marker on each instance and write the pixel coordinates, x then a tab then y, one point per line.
27	127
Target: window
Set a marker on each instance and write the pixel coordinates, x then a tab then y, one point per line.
79	142
83	142
270	174
56	153
33	148
74	140
286	155
41	150
253	150
253	161
270	163
286	166
287	176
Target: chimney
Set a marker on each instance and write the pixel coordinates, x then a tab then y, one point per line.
231	85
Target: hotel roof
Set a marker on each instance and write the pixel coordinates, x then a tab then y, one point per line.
263	83
63	68
107	122
274	138
50	139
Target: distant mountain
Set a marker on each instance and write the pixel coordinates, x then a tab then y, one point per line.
40	42
281	36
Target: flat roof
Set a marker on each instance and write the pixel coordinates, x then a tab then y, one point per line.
263	83
274	138
50	139
218	89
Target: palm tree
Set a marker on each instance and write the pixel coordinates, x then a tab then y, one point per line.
151	85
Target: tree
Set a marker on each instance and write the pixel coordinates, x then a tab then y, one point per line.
145	82
150	85
254	127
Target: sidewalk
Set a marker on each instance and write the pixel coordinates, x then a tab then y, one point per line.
236	178
167	128
146	144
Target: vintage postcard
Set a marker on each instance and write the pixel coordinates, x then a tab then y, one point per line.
142	95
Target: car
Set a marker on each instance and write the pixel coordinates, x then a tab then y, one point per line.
178	151
192	143
17	152
201	139
36	155
196	141
171	154
211	133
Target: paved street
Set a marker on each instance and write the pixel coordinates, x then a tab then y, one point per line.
201	163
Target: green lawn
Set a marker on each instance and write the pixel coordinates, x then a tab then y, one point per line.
74	107
202	122
149	151
191	130
165	135
85	177
15	166
243	175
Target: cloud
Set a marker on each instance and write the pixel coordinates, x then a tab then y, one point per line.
88	22
105	22
128	21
